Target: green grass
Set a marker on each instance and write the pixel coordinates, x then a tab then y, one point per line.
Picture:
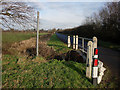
11	37
109	45
52	74
19	72
58	45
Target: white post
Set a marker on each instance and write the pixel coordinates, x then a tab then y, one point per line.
76	42
94	44
73	41
83	44
68	41
89	59
101	71
37	34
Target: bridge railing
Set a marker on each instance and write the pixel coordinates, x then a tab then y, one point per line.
83	45
88	50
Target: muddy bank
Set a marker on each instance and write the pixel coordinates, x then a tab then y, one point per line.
27	48
70	56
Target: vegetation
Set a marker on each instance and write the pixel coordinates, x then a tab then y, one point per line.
19	72
109	45
8	38
104	25
17	15
58	45
22	72
11	37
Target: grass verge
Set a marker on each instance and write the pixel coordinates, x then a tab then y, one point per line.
21	73
58	45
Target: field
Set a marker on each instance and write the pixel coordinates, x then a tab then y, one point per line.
38	72
11	37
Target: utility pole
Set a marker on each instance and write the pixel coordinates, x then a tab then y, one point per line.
37	47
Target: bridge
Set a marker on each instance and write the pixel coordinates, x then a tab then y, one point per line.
87	48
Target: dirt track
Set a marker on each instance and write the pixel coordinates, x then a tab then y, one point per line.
111	59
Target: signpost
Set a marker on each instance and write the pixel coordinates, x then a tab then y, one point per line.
37	47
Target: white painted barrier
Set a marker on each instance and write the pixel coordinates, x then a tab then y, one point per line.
74	42
100	72
91	46
89	60
69	41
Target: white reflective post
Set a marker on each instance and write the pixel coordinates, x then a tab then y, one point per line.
101	71
76	42
68	41
89	60
94	44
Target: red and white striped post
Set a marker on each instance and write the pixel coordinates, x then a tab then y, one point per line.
95	67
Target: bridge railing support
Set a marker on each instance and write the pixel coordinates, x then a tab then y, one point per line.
94	44
69	41
73	41
89	59
76	42
93	64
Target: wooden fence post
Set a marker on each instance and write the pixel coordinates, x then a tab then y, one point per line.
76	42
68	41
89	59
73	41
37	46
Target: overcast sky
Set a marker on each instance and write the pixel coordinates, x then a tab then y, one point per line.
64	14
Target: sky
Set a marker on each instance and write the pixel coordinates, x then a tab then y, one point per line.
64	14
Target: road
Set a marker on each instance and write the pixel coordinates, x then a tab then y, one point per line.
111	59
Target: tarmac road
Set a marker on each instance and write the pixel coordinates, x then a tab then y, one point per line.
111	59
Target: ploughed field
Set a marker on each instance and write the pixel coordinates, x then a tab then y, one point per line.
22	69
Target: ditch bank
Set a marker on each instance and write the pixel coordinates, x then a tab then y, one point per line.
27	48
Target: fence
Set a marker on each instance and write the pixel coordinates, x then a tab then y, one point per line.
87	48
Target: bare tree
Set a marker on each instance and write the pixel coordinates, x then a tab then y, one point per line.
17	15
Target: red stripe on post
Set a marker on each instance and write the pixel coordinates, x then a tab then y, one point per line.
96	62
96	51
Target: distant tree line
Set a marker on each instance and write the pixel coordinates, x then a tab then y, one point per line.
105	24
